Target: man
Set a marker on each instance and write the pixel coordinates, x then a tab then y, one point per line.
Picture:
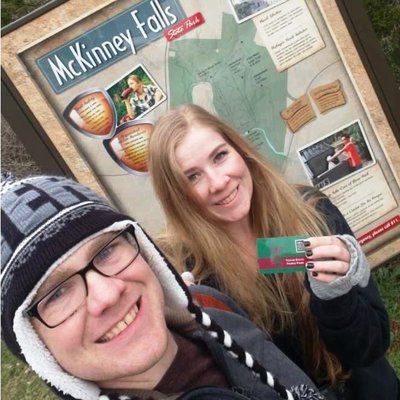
350	149
91	304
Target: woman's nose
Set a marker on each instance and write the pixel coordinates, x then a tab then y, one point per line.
103	292
217	181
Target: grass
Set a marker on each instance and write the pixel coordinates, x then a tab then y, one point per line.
19	382
385	18
388	280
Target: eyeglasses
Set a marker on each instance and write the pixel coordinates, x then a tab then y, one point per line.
63	300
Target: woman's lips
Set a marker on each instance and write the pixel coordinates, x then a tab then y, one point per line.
228	199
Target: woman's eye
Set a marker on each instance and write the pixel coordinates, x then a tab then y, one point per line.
193	177
220	155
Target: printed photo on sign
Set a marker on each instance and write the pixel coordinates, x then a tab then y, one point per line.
246	9
135	94
337	155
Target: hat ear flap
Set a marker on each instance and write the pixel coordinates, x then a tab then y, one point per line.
301	392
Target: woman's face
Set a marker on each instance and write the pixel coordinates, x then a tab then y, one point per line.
133	84
216	173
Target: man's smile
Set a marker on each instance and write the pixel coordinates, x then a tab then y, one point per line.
121	325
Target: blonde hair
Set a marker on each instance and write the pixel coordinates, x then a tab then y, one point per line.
279	304
135	78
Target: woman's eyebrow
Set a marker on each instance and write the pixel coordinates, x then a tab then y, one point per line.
218	148
212	154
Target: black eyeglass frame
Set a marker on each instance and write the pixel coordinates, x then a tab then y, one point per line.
33	312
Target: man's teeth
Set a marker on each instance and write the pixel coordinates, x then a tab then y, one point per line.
121	325
228	199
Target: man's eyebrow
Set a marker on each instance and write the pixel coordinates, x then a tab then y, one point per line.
59	275
55	278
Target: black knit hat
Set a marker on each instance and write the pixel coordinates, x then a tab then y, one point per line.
45	219
42	218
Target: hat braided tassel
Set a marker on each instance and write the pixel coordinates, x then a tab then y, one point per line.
300	392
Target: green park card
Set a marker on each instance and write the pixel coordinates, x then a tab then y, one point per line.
281	254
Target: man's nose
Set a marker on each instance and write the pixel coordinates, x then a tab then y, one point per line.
103	292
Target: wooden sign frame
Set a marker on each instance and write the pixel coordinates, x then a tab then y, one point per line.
47	136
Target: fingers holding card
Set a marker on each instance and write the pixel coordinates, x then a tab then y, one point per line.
328	258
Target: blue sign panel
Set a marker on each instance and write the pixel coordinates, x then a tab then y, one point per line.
97	49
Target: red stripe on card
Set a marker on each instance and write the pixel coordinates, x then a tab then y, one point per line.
284	262
265	263
294	261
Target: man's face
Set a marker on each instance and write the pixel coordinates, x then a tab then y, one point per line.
345	140
119	333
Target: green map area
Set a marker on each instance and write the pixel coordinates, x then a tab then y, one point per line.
237	79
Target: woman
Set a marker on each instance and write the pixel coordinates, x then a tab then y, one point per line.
139	98
219	195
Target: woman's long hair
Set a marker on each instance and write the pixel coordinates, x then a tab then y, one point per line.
279	303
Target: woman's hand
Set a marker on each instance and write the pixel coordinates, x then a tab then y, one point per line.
328	258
